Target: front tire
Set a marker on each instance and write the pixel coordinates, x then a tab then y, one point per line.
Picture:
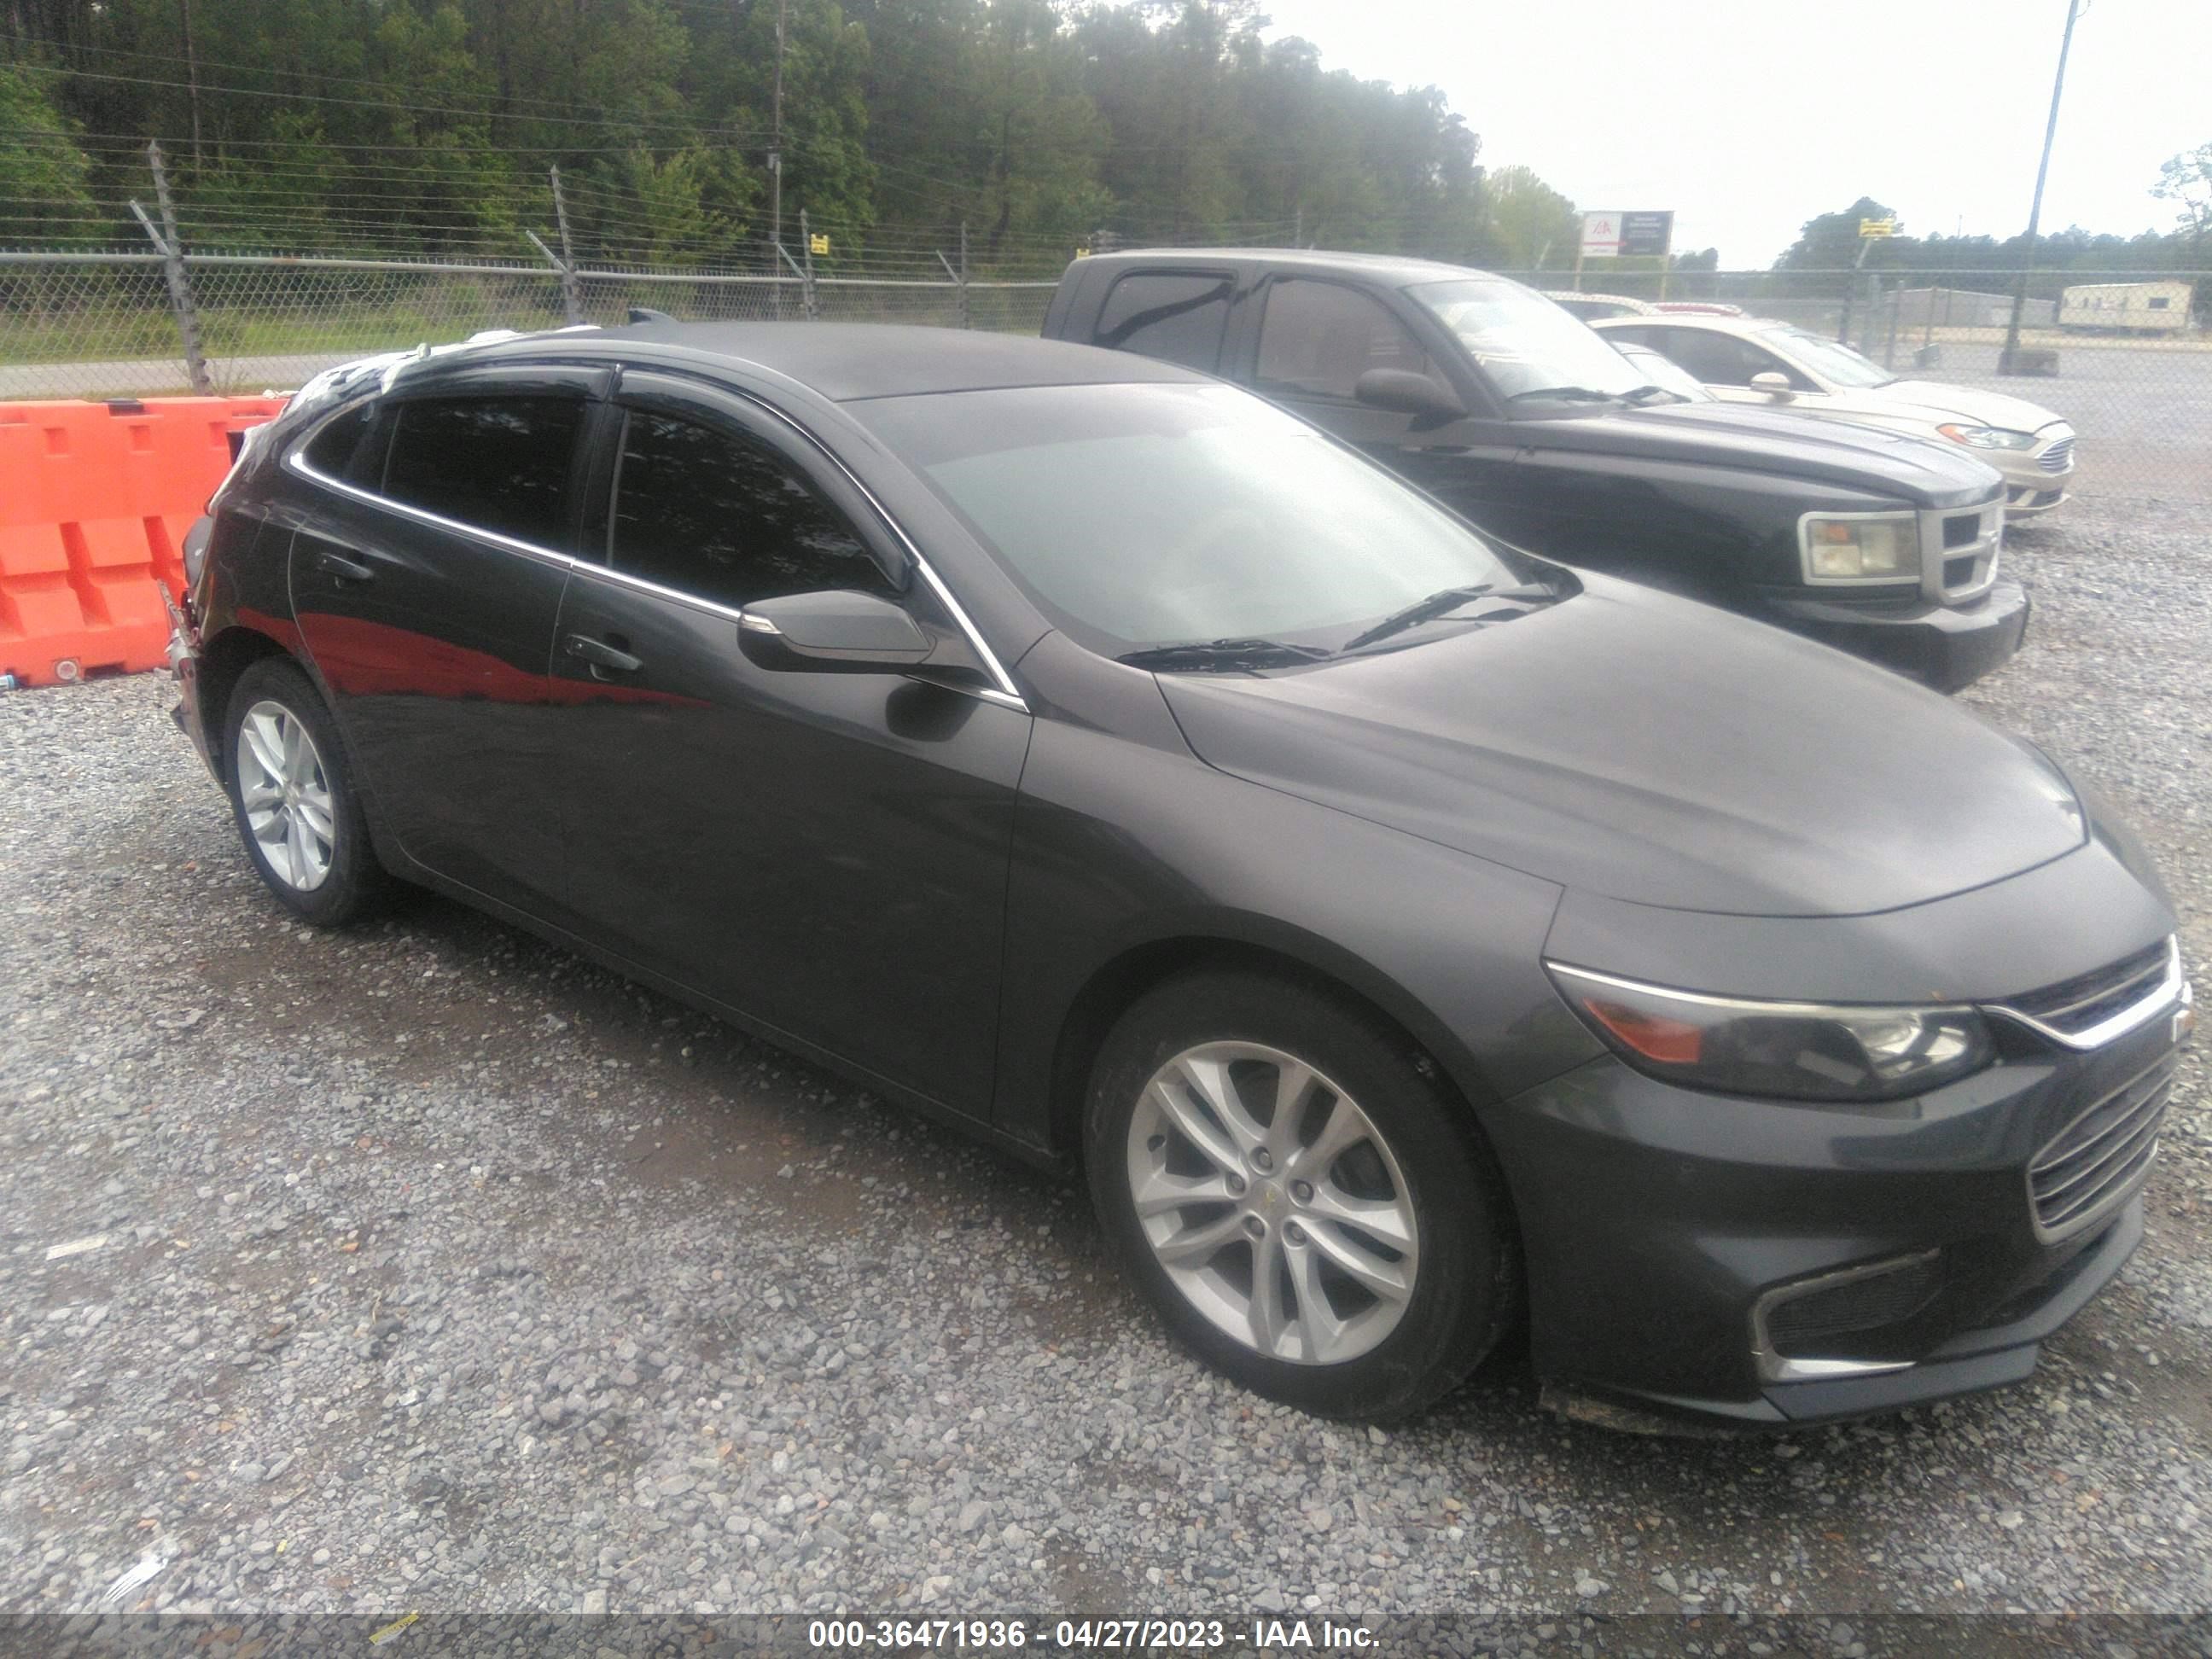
1298	1194
294	801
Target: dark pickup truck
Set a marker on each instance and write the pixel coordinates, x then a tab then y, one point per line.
1499	404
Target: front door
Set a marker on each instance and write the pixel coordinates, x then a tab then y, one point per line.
825	852
1317	338
426	576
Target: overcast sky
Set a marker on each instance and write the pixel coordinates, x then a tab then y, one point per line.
1748	117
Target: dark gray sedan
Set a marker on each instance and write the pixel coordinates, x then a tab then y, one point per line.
1399	930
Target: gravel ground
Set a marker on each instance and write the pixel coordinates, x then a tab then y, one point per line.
441	1270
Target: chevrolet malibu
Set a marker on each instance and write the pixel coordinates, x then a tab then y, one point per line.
1400	932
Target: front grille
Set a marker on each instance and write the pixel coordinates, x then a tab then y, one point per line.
1809	1325
2058	457
2096	1160
1961	571
1961	528
2078	1004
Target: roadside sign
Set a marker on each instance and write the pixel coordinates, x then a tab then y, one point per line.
1637	235
1646	235
818	243
1877	227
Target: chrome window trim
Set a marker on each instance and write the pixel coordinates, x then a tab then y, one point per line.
1006	691
1780	1368
654	589
2173	990
296	460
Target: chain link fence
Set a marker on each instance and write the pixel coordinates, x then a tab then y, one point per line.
103	326
2126	357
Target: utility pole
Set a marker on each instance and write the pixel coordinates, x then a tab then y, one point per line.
572	292
2008	356
192	80
775	156
171	248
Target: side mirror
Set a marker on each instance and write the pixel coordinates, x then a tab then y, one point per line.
1772	384
840	631
1407	393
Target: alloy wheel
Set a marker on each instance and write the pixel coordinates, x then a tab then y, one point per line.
1274	1203
286	795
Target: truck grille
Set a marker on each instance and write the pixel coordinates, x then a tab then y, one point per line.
2058	457
2095	1161
2081	1004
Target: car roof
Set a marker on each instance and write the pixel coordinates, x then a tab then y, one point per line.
845	362
1390	268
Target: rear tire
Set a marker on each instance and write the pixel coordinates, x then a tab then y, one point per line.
1302	1199
294	801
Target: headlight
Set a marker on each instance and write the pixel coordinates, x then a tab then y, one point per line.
1988	437
1861	548
1792	1050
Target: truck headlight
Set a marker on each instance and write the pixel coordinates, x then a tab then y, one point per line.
1786	1050
1988	437
1861	548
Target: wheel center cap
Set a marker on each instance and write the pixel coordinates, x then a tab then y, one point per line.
1271	1198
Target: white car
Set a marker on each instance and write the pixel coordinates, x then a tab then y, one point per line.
1758	361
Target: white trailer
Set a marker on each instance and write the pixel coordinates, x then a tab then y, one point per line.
2125	307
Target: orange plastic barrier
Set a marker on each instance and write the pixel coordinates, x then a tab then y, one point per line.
94	502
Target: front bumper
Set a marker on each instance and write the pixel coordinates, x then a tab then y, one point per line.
1945	646
1662	1224
2031	486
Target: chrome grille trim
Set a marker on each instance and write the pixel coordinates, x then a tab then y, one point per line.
2169	988
2058	458
1982	550
2096	1162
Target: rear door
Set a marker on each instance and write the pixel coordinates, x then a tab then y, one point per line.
826	852
425	578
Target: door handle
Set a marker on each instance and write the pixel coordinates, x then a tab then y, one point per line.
345	569
601	655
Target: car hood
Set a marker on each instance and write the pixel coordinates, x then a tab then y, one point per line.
1646	748
1935	402
1923	471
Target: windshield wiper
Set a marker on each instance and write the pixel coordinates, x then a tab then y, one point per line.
1226	655
1442	603
1646	392
1566	394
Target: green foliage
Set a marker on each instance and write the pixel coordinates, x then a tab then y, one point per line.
44	177
1536	226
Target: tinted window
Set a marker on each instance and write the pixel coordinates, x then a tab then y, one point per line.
346	448
1640	335
498	463
1163	314
1723	359
712	515
1319	338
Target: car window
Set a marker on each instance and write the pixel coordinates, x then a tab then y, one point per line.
1720	359
1319	338
498	463
1843	365
1178	316
348	450
1642	334
709	513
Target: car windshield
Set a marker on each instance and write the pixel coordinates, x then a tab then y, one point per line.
1145	515
1523	343
1833	361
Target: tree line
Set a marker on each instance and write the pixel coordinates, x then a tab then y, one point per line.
686	131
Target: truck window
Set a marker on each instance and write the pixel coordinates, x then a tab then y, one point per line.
1178	316
1318	338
